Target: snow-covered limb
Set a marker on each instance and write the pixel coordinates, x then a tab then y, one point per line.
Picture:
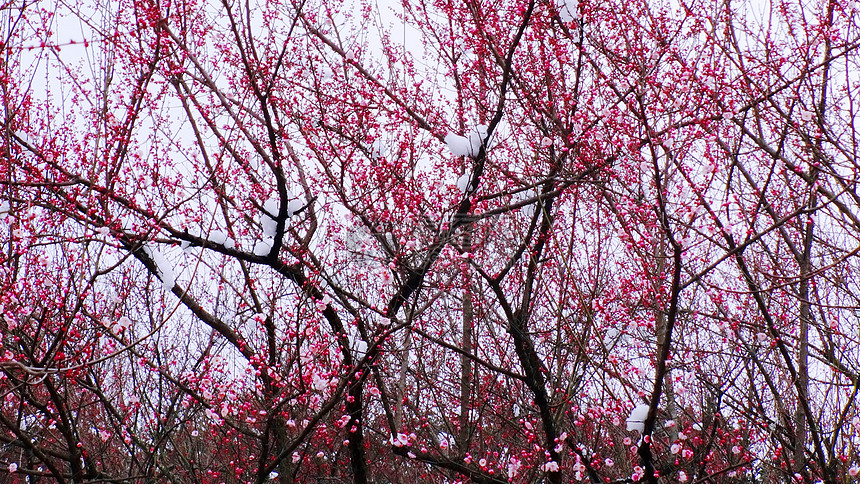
636	420
165	269
468	145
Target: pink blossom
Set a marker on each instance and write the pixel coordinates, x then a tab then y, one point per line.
402	440
341	423
514	467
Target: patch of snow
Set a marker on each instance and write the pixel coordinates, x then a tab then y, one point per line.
294	206
220	237
477	137
358	345
636	420
458	145
165	270
467	146
262	247
267	220
192	231
463	182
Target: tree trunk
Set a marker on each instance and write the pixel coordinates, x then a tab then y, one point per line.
465	361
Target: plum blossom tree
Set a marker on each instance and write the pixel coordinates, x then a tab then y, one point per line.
430	241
